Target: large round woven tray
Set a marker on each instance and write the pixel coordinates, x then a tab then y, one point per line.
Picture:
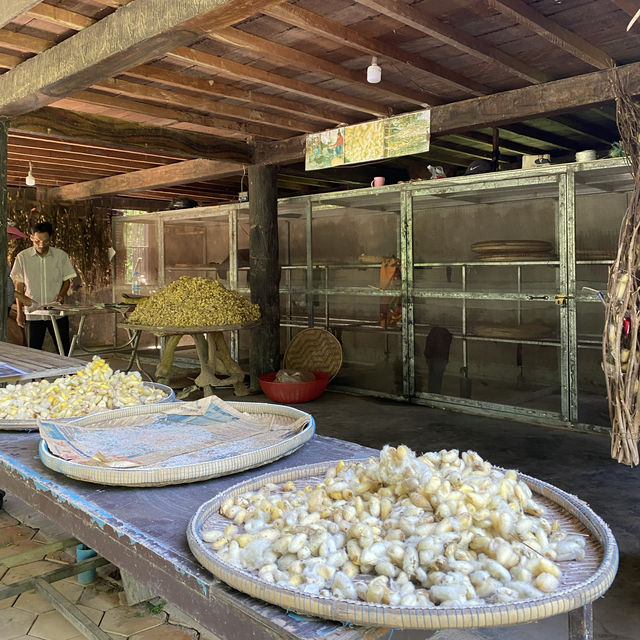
32	425
526	331
314	350
582	582
508	246
157	476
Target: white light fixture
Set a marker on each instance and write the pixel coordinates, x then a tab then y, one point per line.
374	72
30	180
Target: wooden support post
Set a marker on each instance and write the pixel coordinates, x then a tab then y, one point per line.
265	270
581	623
4	142
495	151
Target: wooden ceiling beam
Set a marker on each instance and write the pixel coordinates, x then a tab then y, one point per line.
110	133
440	30
224	90
112	46
11	9
199	103
348	37
245	72
500	109
312	64
551	31
173	174
174	117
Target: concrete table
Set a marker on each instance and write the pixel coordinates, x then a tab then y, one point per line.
210	346
143	532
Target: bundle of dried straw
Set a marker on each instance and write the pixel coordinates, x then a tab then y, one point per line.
620	347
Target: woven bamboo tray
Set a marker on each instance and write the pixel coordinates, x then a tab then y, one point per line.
32	425
165	474
314	350
582	582
525	331
509	246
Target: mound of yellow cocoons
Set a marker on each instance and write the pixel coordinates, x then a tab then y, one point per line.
194	302
94	388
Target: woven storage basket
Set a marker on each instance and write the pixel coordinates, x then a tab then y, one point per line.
314	350
157	476
582	582
32	425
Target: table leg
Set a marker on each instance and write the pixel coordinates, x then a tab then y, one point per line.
56	332
581	623
207	378
166	360
76	338
233	368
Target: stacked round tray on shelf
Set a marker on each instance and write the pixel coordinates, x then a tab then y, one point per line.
508	250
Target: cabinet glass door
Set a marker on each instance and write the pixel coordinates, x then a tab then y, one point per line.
486	272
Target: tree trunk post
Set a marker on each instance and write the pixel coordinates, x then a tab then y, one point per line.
264	270
4	267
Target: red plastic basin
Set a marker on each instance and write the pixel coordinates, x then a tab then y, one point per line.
294	392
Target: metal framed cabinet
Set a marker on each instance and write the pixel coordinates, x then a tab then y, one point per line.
525	330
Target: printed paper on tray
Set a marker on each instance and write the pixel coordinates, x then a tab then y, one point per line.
176	434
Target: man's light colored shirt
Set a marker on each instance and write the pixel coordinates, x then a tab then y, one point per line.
42	276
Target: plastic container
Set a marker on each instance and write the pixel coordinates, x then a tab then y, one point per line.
294	392
84	553
136	283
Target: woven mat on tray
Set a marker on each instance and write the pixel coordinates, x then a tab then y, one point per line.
175	434
512	246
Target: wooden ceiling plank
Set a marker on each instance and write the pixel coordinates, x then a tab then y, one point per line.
454	37
225	126
628	6
11	9
505	144
168	175
199	103
60	16
348	37
23	42
111	46
585	129
553	32
538	135
8	61
306	62
105	132
224	90
239	71
500	109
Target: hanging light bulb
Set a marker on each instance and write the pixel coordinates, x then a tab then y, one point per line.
374	72
30	180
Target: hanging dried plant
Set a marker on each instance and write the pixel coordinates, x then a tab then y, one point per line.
83	231
620	348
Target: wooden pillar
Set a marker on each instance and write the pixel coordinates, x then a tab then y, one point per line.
265	269
4	140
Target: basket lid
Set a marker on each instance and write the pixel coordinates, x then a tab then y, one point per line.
316	350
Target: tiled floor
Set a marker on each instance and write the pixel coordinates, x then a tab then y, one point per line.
29	615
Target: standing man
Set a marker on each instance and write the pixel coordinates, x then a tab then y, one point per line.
43	273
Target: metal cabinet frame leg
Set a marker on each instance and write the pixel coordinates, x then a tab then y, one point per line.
581	623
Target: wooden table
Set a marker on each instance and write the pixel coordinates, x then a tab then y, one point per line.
53	312
210	346
143	532
21	364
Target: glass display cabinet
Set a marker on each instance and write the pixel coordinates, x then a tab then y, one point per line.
477	293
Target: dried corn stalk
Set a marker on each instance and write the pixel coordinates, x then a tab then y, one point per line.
620	355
